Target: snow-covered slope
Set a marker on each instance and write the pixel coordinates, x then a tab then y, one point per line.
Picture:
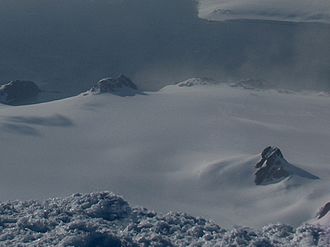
192	149
104	219
278	10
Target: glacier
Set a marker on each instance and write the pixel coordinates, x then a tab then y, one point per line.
184	148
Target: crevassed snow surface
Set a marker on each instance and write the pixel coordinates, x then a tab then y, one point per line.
104	219
191	149
279	10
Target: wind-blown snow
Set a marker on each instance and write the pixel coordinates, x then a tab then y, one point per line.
190	149
104	219
278	10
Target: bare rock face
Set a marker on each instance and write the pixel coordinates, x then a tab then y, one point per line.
273	168
323	211
121	85
18	91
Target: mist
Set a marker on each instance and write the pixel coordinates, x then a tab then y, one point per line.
68	45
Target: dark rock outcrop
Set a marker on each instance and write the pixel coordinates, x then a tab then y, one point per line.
16	92
273	168
323	211
121	85
251	83
197	82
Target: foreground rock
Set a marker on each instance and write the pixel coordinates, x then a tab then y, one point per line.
16	92
121	85
104	219
273	168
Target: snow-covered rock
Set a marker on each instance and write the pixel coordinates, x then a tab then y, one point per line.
16	92
197	82
69	222
251	83
273	167
120	85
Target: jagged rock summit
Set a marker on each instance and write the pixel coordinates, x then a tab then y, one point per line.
17	92
121	85
273	168
197	82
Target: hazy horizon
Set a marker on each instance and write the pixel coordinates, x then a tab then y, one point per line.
68	45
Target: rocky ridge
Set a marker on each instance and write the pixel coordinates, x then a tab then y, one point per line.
121	85
16	92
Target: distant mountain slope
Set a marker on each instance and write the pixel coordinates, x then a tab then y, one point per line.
276	10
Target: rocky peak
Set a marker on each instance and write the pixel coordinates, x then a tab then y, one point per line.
273	168
121	85
197	82
18	91
270	154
